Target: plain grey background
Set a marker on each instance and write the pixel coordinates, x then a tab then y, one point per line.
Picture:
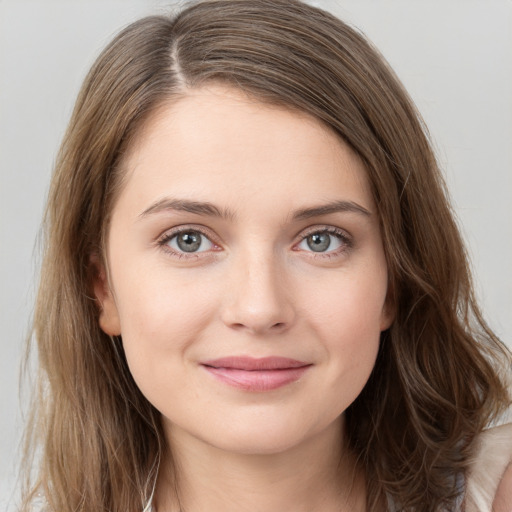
454	56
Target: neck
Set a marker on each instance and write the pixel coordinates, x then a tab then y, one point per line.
320	474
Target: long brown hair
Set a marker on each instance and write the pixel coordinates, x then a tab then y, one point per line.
440	374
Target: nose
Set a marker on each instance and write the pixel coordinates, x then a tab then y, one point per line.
258	299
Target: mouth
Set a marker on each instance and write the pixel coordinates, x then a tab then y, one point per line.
256	374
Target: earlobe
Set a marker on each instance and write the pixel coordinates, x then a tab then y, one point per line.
387	317
108	315
388	311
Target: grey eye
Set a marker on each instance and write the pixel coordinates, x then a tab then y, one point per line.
322	241
319	242
190	241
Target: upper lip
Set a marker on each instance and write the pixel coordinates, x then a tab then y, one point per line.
255	363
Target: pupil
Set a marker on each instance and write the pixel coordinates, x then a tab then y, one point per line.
319	242
189	242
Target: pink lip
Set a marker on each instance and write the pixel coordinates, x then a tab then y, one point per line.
256	374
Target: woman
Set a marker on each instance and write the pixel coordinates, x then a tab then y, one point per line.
254	295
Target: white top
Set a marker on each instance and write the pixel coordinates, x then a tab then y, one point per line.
493	455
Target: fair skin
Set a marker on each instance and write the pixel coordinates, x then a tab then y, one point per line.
247	231
503	499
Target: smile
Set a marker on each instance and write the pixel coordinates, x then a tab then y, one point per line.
256	374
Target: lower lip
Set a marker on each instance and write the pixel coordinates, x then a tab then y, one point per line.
257	380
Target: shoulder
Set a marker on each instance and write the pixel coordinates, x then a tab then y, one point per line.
503	499
489	480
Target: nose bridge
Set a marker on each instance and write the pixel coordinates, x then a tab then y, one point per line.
258	300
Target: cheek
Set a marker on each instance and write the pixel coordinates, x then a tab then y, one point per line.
349	302
161	317
348	318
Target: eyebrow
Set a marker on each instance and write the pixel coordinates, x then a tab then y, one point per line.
209	209
185	205
332	207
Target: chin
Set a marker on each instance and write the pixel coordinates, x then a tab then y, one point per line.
268	436
265	443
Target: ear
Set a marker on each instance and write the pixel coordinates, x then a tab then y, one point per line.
108	314
387	317
388	310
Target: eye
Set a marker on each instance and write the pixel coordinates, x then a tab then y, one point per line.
324	241
189	241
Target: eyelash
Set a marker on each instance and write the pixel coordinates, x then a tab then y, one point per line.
342	236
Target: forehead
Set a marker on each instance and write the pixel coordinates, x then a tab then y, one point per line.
217	140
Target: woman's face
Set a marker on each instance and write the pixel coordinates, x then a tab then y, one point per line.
247	274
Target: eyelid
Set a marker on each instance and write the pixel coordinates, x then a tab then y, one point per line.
323	228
